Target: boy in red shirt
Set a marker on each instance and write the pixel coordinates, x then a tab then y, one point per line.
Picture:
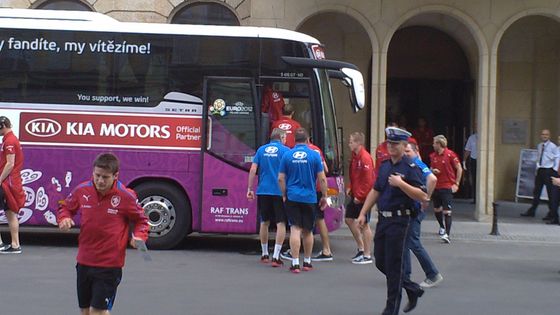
446	166
107	207
12	196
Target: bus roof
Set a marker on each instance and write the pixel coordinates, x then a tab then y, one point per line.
93	21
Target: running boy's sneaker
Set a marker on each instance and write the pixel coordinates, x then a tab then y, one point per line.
307	266
445	238
265	259
322	257
363	261
441	232
4	246
429	283
11	250
295	269
286	255
277	263
359	255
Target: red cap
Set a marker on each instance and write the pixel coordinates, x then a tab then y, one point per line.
412	141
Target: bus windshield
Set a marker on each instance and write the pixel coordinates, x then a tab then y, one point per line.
330	145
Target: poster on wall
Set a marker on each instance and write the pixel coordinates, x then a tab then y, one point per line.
514	131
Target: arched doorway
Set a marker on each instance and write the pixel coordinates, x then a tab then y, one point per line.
527	94
432	61
345	39
208	13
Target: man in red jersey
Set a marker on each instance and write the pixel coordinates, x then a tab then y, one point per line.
107	207
272	103
361	182
446	166
12	196
287	124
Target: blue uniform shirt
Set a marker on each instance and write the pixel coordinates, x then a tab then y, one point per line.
392	198
426	171
268	159
301	165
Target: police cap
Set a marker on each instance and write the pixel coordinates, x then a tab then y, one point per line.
395	134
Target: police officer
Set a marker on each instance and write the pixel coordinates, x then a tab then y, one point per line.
397	187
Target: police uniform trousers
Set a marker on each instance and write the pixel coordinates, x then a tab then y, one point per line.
389	246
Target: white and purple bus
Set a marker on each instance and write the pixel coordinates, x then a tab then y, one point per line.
180	105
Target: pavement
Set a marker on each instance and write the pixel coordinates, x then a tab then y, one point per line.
511	226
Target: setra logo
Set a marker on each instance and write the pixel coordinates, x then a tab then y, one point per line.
43	127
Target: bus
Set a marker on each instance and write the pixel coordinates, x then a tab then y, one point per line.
180	105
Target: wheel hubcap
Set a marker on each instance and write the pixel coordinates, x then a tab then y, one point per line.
160	213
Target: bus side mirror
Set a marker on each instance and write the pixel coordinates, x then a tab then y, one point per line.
355	80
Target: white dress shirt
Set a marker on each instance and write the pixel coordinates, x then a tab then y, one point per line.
549	155
471	145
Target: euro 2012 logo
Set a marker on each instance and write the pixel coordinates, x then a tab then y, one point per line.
218	107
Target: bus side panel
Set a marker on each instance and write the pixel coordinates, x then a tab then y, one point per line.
335	216
51	173
225	207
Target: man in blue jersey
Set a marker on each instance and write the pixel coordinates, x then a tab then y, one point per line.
299	170
269	197
433	277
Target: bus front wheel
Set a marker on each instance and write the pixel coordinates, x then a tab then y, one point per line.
168	212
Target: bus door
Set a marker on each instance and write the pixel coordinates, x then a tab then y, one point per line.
230	116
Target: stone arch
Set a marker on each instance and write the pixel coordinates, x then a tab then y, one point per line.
187	3
468	30
84	3
495	103
345	38
365	23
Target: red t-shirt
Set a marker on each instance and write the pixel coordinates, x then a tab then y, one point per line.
289	126
381	155
425	138
11	145
446	163
12	185
361	174
104	223
272	103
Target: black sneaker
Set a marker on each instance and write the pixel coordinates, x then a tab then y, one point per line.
358	255
363	261
307	266
277	263
322	257
265	259
4	246
295	269
11	250
286	255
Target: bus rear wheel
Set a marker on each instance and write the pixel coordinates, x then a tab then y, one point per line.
168	212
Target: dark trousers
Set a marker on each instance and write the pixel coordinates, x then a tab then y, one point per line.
542	178
472	171
389	245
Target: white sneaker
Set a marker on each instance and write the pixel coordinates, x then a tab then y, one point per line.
441	232
445	238
429	283
4	246
363	261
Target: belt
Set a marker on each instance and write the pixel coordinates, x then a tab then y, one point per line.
395	213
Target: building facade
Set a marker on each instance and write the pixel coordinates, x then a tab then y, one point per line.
493	63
